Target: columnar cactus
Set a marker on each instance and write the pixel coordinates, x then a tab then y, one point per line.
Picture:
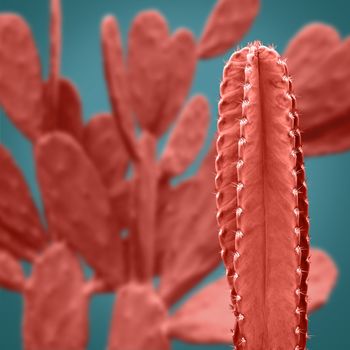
262	201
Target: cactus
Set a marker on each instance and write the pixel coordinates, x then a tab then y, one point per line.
67	325
48	324
148	90
77	204
262	201
41	101
62	301
89	201
318	60
22	232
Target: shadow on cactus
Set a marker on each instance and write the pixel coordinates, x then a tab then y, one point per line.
89	201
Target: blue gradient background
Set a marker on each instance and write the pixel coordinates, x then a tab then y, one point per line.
328	177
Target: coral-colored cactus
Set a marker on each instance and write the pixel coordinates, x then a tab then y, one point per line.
262	201
319	60
77	204
56	293
88	200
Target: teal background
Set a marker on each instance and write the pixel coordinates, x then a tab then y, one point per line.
328	177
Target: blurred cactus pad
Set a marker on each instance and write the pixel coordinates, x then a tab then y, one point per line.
108	231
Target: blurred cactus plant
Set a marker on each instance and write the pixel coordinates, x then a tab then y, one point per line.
128	229
319	62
